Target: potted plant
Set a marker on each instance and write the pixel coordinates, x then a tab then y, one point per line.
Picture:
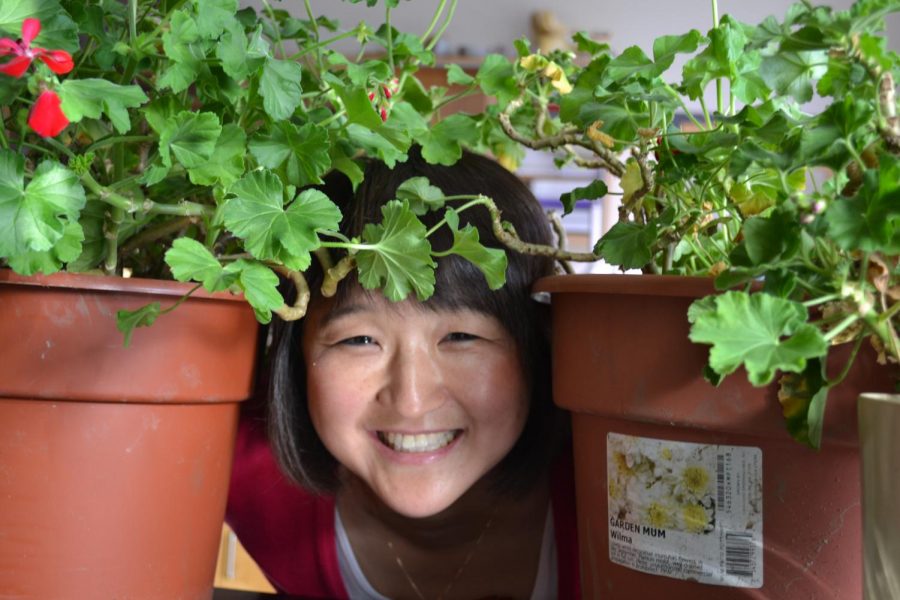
176	140
769	232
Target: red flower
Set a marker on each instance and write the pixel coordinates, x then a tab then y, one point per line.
59	61
47	118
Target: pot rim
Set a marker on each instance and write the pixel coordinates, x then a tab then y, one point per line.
111	283
656	285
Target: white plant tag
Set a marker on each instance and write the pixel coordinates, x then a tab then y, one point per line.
688	511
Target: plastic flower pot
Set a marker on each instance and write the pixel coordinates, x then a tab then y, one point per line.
685	490
114	461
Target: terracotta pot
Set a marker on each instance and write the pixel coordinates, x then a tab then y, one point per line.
114	461
782	519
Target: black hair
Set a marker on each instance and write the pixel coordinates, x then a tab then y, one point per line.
459	284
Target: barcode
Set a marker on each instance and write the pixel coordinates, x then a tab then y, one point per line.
720	482
739	554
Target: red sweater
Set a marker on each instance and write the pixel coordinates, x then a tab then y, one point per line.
290	532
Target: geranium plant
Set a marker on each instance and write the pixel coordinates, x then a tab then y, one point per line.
179	138
793	207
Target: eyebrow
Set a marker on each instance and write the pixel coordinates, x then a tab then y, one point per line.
341	311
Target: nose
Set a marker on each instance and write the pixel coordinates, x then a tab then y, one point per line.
415	382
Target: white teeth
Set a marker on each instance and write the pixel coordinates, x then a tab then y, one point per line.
422	442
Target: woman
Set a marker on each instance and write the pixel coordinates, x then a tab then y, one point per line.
417	440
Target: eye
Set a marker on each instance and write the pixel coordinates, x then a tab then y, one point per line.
460	336
357	340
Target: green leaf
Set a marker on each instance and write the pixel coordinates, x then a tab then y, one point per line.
128	320
226	164
725	56
240	58
442	143
214	16
456	76
596	189
14	12
376	145
584	43
301	151
344	163
870	221
91	97
179	76
260	286
59	32
34	218
490	261
666	47
631	62
256	214
178	37
769	238
191	137
417	96
399	260
359	107
280	88
421	195
627	244
496	78
792	73
93	246
50	261
762	333
190	260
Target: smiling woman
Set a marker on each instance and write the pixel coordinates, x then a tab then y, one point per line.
419	436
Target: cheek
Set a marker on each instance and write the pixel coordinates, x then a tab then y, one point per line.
330	406
503	397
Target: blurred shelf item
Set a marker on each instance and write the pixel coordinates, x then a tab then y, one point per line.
235	569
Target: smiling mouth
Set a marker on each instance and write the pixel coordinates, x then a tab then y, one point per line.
419	442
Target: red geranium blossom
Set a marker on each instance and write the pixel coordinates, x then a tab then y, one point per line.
47	118
59	61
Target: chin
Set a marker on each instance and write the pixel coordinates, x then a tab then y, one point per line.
417	507
422	501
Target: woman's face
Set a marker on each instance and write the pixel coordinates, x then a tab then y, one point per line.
418	404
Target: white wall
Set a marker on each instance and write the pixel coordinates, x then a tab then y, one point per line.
487	25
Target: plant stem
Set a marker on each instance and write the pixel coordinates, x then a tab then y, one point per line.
477	201
705	113
181	300
390	36
466	92
315	26
332	118
847	322
719	103
111	239
115	139
821	300
106	195
434	20
59	146
684	107
157	232
182	209
850	360
276	27
318	46
132	21
444	25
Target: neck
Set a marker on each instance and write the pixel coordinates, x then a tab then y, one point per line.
458	524
451	554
